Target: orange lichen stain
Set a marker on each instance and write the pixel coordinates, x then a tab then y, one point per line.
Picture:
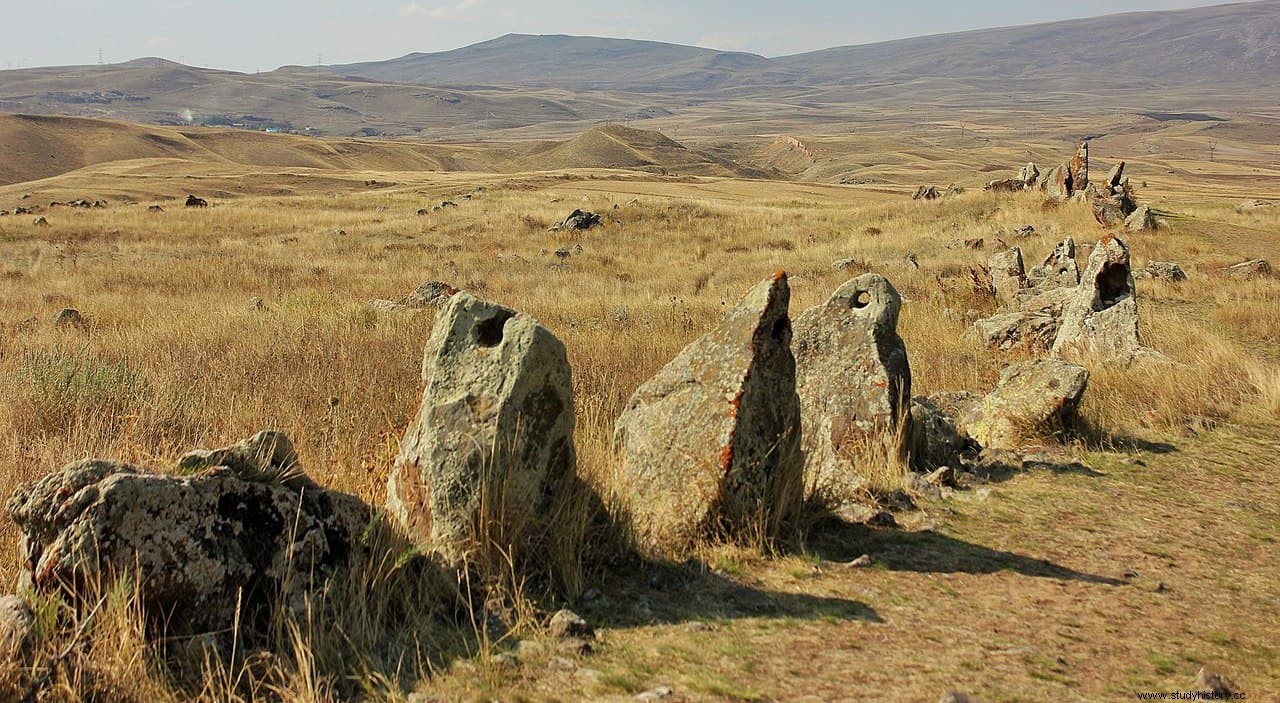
1108	239
779	275
726	452
881	384
726	457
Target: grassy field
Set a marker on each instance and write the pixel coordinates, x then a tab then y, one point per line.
1076	584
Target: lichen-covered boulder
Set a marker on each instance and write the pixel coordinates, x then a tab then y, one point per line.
933	438
1101	318
1113	209
1033	400
854	383
201	547
1032	329
493	436
711	444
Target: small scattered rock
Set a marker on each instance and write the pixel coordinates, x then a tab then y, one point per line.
566	623
70	317
658	693
193	201
1248	270
579	220
1161	271
926	193
1213	682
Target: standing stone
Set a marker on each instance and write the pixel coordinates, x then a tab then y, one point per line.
1102	316
1113	209
1057	183
1079	168
1034	399
1008	275
854	383
493	436
1029	175
712	441
1059	269
1140	220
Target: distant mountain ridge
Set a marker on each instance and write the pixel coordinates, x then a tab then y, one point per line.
584	63
524	86
1237	42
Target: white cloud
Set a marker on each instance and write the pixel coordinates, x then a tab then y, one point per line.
416	9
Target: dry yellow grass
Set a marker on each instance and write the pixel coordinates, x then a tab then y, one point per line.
175	356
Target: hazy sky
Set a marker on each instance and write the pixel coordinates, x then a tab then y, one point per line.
249	35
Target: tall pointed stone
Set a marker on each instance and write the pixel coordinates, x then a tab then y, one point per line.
711	443
493	435
854	383
1079	168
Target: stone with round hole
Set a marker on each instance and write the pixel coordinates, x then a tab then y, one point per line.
493	436
854	383
1101	317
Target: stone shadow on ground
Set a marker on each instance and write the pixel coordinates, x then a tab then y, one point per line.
932	552
654	593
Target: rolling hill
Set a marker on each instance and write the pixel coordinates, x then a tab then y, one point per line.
41	146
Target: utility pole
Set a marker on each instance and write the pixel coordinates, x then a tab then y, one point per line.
100	61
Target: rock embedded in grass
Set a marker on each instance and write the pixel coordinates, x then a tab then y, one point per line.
1161	271
1008	275
206	549
711	444
1033	400
1248	270
493	435
853	380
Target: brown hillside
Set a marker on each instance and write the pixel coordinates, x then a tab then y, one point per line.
634	149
